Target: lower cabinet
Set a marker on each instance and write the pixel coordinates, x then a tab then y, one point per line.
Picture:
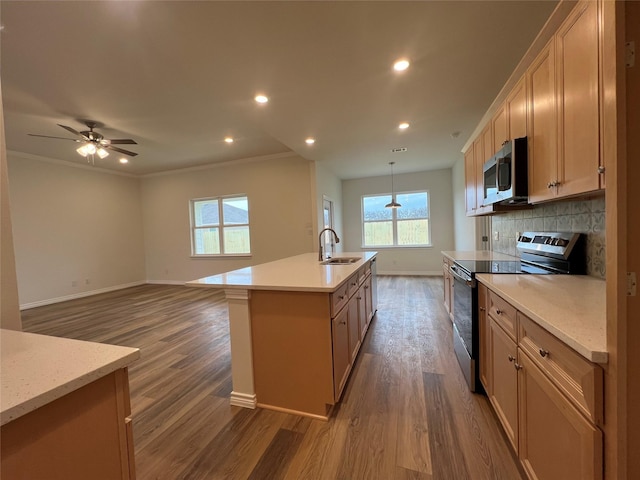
447	287
85	434
483	330
341	352
547	397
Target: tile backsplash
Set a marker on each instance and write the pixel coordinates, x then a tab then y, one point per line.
584	216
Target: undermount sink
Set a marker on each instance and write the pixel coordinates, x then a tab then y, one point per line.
340	261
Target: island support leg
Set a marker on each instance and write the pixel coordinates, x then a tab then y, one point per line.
243	393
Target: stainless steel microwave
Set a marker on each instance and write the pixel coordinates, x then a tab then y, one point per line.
505	175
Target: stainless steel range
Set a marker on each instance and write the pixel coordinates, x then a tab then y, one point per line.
541	253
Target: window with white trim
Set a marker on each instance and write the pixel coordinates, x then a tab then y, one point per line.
220	226
406	226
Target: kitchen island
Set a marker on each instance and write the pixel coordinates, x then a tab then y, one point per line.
296	326
65	408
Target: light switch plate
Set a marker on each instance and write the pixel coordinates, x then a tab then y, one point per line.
496	235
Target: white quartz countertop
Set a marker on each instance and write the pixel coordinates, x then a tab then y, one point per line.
477	255
571	307
38	369
300	273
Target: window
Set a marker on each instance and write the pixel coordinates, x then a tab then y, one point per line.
220	226
407	226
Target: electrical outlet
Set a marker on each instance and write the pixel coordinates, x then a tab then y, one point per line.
496	236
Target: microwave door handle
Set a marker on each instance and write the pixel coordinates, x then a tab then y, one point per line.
503	162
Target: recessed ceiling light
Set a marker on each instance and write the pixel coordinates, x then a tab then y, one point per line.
228	139
123	160
401	65
261	98
403	126
310	141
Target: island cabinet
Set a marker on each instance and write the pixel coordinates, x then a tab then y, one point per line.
548	398
448	284
83	434
305	344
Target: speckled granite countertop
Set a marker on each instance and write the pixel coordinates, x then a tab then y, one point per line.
38	369
571	307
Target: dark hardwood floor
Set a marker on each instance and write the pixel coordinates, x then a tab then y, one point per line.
406	412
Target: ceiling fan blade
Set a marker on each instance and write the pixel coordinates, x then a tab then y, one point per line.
75	132
49	136
121	150
122	141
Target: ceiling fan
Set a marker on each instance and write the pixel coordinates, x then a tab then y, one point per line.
94	143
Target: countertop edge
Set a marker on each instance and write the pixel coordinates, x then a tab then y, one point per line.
27	406
595	356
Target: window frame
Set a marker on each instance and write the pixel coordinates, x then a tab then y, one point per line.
221	226
394	221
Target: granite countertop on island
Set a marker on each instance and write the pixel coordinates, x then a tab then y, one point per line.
571	307
38	369
299	273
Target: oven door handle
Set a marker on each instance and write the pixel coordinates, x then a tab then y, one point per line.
470	282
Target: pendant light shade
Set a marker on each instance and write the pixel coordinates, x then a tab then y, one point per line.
393	203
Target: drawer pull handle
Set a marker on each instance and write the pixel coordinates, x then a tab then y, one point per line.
498	311
543	352
344	322
511	358
517	366
358	298
354	284
482	309
366	287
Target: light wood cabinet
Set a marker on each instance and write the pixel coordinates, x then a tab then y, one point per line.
577	91
547	397
478	156
542	123
555	440
470	181
504	380
516	106
304	344
447	286
483	331
84	434
500	129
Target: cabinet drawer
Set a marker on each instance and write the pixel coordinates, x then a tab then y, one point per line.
352	284
363	273
339	298
575	376
503	313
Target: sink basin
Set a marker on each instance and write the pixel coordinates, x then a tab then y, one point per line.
340	261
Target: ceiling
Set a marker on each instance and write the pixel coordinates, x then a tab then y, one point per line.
180	76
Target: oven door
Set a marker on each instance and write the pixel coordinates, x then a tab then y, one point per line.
465	324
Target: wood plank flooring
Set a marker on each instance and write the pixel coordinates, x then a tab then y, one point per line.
406	412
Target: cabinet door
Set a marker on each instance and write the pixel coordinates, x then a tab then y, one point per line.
500	129
363	319
504	381
483	320
517	110
470	181
341	360
353	320
368	299
542	126
556	441
478	155
446	280
577	96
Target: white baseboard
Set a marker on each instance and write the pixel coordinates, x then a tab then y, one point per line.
243	400
50	301
165	282
427	273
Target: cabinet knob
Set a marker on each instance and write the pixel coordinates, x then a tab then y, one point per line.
543	352
482	309
498	311
366	287
511	358
600	169
517	366
341	297
344	322
358	298
353	283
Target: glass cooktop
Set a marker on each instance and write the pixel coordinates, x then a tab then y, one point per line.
501	266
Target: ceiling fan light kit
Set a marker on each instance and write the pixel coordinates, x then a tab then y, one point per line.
94	143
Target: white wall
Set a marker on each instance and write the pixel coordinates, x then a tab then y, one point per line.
280	215
465	227
412	261
73	224
327	184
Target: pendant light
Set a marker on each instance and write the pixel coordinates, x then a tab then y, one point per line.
393	203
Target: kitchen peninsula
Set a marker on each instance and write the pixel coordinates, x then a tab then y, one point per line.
296	326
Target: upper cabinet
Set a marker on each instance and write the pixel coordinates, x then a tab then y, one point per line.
470	181
556	105
578	101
